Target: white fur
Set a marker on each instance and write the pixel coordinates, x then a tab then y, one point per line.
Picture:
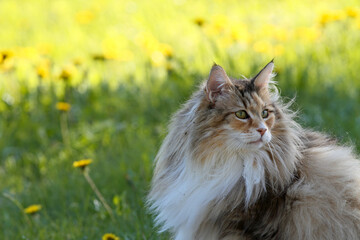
194	190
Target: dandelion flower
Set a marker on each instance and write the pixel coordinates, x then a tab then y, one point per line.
43	69
199	21
110	236
111	48
32	209
166	49
4	55
84	17
82	163
67	72
148	42
220	23
352	12
98	57
63	106
78	61
329	17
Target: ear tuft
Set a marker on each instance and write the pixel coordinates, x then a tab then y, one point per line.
216	82
261	80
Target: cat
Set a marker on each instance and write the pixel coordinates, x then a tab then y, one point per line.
236	165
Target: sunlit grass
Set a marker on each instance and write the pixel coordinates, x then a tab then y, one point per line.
101	79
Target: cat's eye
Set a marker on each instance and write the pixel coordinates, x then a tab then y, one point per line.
265	113
242	114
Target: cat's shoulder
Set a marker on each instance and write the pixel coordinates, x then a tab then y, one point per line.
325	159
313	139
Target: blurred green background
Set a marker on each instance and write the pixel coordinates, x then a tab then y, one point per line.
100	79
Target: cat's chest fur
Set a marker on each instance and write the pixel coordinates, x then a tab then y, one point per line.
238	181
261	220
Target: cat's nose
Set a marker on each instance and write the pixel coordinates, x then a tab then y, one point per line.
261	131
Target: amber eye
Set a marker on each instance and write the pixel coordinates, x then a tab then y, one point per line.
265	113
242	114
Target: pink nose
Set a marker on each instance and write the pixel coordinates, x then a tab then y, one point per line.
261	131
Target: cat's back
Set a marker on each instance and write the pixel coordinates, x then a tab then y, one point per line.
326	162
325	200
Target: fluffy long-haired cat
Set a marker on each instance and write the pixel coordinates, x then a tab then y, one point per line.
235	165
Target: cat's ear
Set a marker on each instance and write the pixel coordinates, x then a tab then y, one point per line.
218	80
262	79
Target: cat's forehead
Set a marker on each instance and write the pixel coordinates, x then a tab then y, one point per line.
246	95
243	85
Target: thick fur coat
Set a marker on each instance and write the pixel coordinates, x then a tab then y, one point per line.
235	165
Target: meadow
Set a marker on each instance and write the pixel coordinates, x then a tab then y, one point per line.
98	81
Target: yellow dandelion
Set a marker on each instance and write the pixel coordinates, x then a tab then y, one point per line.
98	57
148	42
325	18
166	49
329	17
43	69
82	163
199	21
220	22
84	17
63	106
352	12
32	209
67	72
4	55
111	47
78	61
110	236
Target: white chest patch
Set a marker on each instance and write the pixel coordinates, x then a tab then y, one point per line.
185	204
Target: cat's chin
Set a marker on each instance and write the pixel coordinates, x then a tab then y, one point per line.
256	144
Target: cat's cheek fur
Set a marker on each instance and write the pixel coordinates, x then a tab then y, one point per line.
267	137
270	121
239	125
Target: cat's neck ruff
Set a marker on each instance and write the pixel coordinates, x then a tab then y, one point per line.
195	188
253	171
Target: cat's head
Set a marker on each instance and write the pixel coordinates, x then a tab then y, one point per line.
240	113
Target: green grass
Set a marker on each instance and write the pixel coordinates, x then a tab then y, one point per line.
124	85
